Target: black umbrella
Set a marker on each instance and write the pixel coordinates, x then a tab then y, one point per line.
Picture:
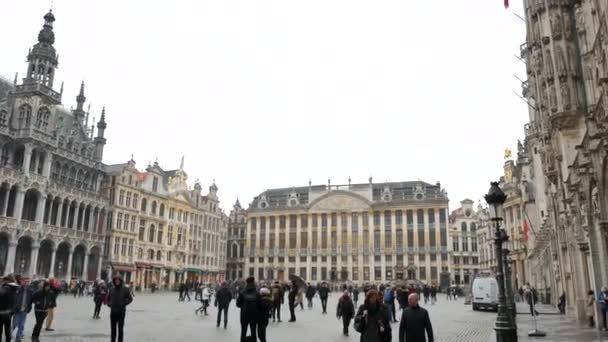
297	281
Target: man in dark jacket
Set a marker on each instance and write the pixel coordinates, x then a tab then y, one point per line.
293	293
414	322
41	300
277	300
118	299
323	294
8	294
222	302
249	302
23	306
310	293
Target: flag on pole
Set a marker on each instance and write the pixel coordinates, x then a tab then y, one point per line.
526	230
506	3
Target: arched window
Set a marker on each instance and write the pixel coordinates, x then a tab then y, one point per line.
150	254
64	172
161	210
144	204
158	255
79	178
3	118
25	116
42	118
463	227
140	253
151	233
473	227
56	170
72	176
153	208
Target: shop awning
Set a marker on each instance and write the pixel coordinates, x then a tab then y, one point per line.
143	265
192	270
123	268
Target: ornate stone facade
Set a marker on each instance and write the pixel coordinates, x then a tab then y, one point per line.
566	147
53	211
355	232
465	246
160	231
237	227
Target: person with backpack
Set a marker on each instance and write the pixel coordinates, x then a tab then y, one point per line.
323	294
249	303
264	312
277	300
99	296
389	301
41	300
222	302
345	311
310	293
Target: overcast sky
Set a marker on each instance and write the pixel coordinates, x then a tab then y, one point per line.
263	94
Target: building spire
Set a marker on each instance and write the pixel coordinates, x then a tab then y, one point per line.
181	164
80	98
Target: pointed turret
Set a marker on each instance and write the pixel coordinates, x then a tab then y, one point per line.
43	58
100	141
80	98
213	190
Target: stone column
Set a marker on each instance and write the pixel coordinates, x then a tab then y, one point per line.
68	273
59	214
80	224
40	208
18	209
99	265
383	265
361	279
53	255
85	268
5	203
349	245
298	242
46	168
27	159
34	259
92	220
10	259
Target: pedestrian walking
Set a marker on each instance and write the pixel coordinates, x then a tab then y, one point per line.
118	299
590	308
264	310
433	294
249	303
277	300
415	321
323	294
205	297
293	293
23	306
371	319
355	296
8	296
427	294
532	298
187	291
222	302
389	301
561	305
53	293
41	300
345	311
310	293
99	297
182	288
300	298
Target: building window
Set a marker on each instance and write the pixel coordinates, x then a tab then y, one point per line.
455	244
465	244
304	221
388	238
123	249
422	272
116	246
398	217
463	227
3	118
474	244
409	219
473	228
365	219
159	237
365	239
135	200
323	220
432	237
155	184
410	238
153	208
343	220
376	218
128	201
121	197
118	220
151	233
144	205
282	221
25	116
387	219
377	241
420	218
324	238
377	273
126	225
399	238
420	237
303	240
334	219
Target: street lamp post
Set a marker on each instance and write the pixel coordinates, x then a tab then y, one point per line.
511	308
505	329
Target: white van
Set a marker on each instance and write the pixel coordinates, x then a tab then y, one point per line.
485	293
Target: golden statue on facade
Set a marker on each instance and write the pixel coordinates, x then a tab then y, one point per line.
508	153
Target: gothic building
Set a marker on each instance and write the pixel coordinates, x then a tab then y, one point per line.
566	147
464	252
352	232
52	212
237	228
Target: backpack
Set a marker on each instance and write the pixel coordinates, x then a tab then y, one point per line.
250	301
388	295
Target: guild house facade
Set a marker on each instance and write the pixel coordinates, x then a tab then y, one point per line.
363	233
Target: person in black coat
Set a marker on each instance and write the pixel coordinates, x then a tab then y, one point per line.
293	293
42	300
99	296
118	299
222	302
371	319
23	306
277	300
355	295
323	294
346	311
8	295
414	322
310	293
264	309
249	302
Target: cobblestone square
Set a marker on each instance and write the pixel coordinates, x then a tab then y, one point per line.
160	317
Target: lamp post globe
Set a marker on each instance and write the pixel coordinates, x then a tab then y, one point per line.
506	330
